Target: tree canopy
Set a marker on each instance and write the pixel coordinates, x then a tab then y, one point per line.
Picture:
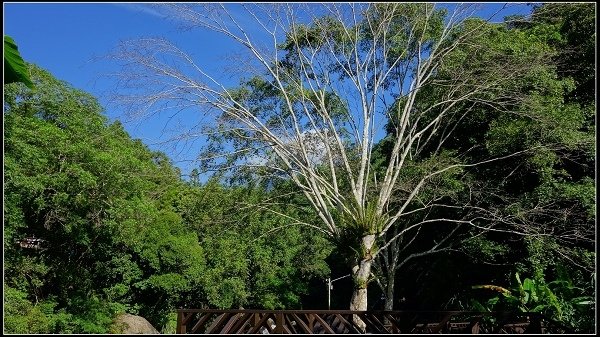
445	161
121	231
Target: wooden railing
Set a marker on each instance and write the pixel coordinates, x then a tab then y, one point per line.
211	321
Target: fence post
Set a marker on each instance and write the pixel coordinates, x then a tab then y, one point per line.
181	329
279	323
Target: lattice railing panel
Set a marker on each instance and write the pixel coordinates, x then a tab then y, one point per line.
208	321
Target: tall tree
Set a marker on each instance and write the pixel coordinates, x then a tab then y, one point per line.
321	82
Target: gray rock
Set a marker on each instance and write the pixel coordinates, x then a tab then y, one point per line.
132	324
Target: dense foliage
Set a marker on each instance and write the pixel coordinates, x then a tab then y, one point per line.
547	193
121	231
551	189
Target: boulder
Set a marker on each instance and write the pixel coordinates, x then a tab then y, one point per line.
132	324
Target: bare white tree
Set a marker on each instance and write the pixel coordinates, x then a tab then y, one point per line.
333	74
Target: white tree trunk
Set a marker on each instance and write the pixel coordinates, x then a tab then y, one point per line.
361	279
389	296
361	273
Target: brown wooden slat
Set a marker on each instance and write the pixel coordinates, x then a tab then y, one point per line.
201	321
348	324
259	324
318	327
340	324
233	320
324	324
350	319
368	322
289	324
334	323
394	323
186	318
375	322
236	328
286	330
218	322
301	323
445	320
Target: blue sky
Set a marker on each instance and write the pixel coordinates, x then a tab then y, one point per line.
66	40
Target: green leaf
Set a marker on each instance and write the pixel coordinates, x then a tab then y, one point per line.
528	285
493	301
15	69
539	308
478	306
518	279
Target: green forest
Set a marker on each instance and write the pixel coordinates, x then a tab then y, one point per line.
121	229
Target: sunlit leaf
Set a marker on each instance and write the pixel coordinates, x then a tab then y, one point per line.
15	69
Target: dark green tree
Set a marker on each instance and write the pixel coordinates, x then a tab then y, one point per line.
103	205
547	194
256	257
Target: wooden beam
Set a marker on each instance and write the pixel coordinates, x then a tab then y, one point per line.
279	323
180	326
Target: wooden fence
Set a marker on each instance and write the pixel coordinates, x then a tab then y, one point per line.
211	321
